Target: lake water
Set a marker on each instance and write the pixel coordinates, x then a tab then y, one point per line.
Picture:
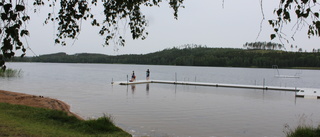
162	110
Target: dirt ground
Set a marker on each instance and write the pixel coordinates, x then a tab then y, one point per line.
35	101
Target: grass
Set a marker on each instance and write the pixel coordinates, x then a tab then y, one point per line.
10	73
18	120
304	131
311	68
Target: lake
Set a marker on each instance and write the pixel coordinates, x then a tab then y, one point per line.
163	110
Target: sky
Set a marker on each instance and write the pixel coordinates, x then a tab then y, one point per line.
214	23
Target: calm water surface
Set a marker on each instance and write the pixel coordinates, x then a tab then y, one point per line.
161	110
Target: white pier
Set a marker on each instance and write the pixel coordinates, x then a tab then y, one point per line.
308	93
305	93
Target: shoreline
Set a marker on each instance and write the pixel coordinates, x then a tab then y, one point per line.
35	101
300	68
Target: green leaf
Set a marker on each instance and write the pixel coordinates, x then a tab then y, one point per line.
317	24
286	16
56	41
270	22
298	13
272	36
7	7
20	44
20	8
4	16
25	18
279	11
24	32
13	16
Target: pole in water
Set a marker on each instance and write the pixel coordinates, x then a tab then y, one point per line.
176	76
263	82
127	79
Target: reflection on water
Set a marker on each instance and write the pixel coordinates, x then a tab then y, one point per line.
147	88
174	110
178	110
133	88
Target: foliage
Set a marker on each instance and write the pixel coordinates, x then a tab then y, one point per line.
17	120
304	131
13	18
10	73
71	13
306	13
12	28
194	56
264	45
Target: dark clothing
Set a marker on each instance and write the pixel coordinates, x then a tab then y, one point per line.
133	76
148	73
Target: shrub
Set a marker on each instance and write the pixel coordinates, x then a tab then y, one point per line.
304	131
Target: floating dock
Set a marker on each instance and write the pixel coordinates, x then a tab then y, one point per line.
309	93
305	93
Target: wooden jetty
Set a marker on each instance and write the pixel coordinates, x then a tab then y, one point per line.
305	93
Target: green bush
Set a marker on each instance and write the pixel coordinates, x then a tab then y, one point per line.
304	131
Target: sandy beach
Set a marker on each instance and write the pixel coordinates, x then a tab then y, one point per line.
35	101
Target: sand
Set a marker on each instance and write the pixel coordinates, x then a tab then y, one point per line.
35	101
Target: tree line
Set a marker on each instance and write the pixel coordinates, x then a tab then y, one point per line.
192	56
264	45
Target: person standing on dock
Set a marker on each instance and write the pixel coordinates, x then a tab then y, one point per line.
148	74
133	77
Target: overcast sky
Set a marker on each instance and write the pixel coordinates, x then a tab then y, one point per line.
204	22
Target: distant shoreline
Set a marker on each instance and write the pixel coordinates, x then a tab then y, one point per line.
197	56
304	68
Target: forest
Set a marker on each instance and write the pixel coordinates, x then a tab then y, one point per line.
192	56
